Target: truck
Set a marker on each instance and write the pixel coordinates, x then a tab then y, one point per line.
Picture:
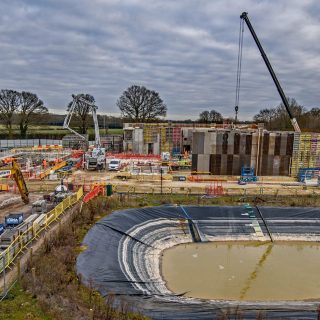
96	160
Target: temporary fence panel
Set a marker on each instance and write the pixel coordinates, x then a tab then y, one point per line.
97	190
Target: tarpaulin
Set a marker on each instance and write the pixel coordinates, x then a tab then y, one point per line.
124	249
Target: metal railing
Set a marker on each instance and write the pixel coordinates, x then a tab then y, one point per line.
21	242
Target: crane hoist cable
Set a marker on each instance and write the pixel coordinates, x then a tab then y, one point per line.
238	82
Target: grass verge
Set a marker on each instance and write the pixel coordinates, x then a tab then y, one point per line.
20	305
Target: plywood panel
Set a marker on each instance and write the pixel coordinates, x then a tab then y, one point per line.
272	138
229	164
242	149
276	164
219	143
277	144
248	144
283	147
289	146
215	164
225	137
213	142
194	164
265	144
236	170
236	145
231	143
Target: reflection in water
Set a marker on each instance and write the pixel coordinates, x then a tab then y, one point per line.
254	273
244	271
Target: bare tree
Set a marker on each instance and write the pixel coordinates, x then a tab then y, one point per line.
10	101
215	116
265	116
315	112
141	104
30	108
204	116
210	116
277	118
82	111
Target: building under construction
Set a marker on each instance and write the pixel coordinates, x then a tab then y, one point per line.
155	138
225	149
280	153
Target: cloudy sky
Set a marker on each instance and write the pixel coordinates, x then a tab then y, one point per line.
186	50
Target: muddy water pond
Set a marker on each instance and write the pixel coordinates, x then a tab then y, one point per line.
244	270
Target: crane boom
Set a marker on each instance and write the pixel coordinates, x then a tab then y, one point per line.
95	120
284	99
66	123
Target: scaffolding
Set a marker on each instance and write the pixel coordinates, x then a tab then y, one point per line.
306	152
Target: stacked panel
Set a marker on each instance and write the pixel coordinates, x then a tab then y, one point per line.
224	152
306	152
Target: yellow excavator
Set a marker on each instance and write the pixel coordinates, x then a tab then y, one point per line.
15	172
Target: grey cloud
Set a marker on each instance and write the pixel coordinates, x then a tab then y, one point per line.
186	50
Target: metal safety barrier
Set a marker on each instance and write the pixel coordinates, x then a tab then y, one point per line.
33	230
96	191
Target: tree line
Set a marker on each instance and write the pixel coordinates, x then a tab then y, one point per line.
137	104
277	118
22	108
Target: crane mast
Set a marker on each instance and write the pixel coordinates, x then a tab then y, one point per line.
284	99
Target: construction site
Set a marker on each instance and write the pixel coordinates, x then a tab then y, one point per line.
212	220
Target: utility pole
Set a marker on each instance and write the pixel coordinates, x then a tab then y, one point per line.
161	172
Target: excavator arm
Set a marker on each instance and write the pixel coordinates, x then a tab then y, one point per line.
15	172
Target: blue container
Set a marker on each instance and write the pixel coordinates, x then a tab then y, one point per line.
1	228
13	219
308	173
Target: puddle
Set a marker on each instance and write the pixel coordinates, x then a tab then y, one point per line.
244	271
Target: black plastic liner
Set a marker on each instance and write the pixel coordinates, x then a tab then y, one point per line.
124	252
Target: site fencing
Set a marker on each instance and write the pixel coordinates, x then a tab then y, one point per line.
32	231
17	143
209	189
22	143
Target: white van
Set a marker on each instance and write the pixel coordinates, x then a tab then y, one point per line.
114	165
